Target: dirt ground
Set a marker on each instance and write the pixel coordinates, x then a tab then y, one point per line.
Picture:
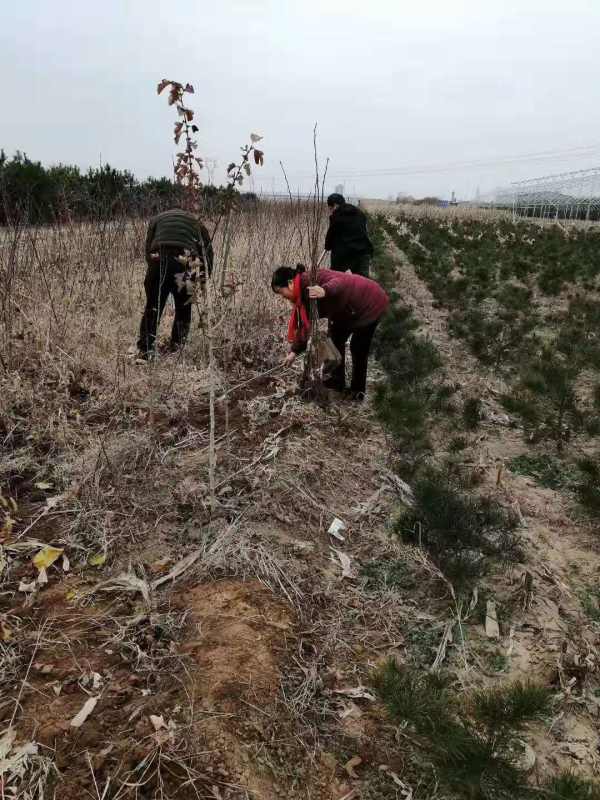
227	652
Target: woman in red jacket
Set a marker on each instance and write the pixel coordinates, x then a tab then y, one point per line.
353	305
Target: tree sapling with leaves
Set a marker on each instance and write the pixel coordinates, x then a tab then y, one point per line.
177	241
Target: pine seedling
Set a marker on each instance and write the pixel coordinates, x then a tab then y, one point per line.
459	532
588	488
472	413
472	741
568	786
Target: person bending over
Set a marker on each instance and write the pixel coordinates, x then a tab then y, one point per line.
353	305
171	235
347	237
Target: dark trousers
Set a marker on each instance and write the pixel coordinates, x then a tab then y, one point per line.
360	345
165	276
358	264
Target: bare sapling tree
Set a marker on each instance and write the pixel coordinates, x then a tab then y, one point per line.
318	349
313	365
235	176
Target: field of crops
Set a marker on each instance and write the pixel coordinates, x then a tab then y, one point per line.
178	621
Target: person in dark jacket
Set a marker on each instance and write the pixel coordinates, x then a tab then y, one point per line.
347	237
353	305
171	237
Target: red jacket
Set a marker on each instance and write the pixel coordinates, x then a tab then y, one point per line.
350	301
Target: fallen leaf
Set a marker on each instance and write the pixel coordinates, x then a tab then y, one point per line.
27	587
177	569
128	582
356	692
97	681
52	502
42	577
492	628
356	761
97	560
46	557
66	564
346	563
5	632
42	485
86	710
447	639
6	742
13	759
157	722
350	710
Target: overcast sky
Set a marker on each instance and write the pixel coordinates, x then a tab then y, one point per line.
407	96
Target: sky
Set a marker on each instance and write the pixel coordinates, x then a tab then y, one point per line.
423	98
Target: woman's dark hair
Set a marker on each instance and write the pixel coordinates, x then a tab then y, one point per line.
283	275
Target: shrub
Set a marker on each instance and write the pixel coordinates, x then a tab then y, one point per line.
458	531
472	741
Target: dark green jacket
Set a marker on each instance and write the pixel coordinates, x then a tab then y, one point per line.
179	228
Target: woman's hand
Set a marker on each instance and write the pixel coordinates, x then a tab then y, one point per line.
289	359
316	292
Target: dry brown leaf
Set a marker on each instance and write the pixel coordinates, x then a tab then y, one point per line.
83	714
157	722
349	766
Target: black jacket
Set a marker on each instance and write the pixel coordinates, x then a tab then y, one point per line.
347	237
179	228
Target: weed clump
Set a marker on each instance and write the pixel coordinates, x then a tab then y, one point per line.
547	470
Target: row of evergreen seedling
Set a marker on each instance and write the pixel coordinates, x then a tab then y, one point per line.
468	743
492	278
